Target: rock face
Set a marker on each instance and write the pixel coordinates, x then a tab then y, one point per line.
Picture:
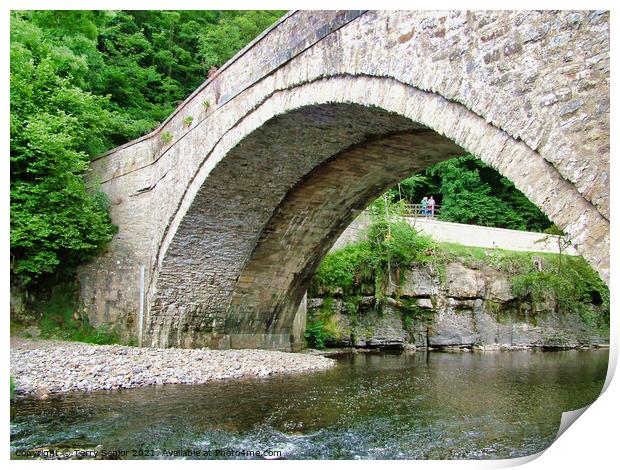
468	308
464	283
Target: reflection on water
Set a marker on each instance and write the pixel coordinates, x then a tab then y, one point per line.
384	406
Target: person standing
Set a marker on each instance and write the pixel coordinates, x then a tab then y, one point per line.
424	205
431	206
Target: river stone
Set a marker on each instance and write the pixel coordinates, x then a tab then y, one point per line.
59	366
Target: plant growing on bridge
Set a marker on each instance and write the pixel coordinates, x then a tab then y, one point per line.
187	121
206	104
166	137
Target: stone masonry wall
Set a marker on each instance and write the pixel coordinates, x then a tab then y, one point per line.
463	234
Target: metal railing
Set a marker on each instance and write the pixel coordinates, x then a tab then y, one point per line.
417	210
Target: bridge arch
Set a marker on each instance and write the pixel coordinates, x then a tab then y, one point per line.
235	263
313	120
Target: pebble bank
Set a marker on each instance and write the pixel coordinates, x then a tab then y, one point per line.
44	367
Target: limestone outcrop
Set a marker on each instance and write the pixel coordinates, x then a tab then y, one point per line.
463	307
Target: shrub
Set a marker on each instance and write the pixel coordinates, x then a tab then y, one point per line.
541	286
187	121
569	282
346	269
166	137
392	245
58	319
396	244
315	334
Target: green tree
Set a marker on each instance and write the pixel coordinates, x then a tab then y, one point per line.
233	31
57	221
81	83
471	192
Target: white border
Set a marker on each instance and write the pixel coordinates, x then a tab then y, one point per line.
590	443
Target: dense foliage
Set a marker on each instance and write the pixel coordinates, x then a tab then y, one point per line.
56	219
81	83
316	334
471	192
392	244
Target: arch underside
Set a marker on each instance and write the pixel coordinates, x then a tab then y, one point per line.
245	250
314	214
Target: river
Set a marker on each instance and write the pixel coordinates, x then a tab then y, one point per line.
423	405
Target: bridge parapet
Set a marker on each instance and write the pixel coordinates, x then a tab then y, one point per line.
286	39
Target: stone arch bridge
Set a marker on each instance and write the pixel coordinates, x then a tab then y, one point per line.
228	207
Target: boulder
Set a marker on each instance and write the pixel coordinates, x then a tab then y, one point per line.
463	282
417	282
500	289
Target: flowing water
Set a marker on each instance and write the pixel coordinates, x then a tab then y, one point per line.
374	405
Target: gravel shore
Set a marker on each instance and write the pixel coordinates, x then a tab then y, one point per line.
43	367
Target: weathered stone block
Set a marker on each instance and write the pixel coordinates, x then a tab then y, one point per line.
464	282
500	289
417	282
